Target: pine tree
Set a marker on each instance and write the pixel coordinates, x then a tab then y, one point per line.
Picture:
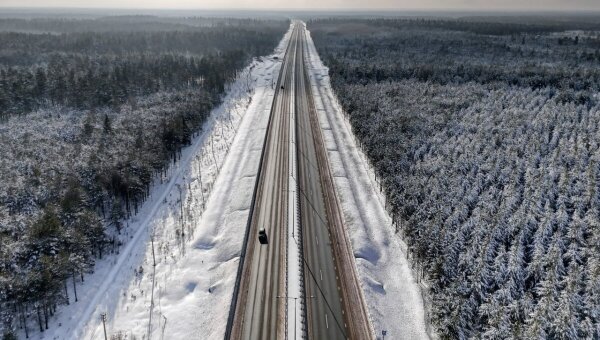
107	127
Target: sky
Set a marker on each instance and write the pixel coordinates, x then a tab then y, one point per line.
566	5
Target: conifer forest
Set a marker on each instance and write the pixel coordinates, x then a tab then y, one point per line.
92	111
485	135
454	157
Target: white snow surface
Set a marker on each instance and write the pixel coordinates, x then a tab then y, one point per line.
392	294
295	296
189	290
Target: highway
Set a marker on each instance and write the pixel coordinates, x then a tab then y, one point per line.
259	314
334	305
323	304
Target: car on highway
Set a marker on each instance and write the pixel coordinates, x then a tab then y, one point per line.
262	236
282	87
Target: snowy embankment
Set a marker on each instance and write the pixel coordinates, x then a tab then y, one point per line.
392	294
174	275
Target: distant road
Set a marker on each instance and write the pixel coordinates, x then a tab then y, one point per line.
335	308
259	314
323	301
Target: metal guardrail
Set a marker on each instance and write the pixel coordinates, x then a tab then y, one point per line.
356	316
238	279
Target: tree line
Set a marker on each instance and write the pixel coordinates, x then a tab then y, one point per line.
434	53
129	23
492	183
83	82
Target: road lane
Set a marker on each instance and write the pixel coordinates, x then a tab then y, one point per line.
259	314
334	306
324	310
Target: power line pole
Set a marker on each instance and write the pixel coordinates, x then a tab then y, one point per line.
181	208
153	256
152	292
103	317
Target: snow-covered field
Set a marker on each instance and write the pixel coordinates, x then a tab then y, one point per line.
174	276
393	296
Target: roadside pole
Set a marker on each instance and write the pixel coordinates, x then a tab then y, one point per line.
103	317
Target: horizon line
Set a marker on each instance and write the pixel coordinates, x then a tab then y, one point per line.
295	9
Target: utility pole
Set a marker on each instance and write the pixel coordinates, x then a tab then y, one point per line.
153	257
103	318
181	208
199	162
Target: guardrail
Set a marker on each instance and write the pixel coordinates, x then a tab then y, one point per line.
356	313
238	279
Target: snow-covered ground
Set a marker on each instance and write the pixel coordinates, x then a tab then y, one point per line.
295	296
392	294
187	293
174	276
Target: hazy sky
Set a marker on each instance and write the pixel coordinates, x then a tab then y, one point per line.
318	4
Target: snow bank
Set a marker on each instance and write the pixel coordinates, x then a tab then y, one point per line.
392	294
174	276
294	285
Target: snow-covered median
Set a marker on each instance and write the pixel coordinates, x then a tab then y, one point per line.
391	292
174	276
294	286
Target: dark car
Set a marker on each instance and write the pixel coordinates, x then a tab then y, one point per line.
262	236
282	87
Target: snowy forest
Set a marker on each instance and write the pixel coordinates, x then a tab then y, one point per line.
92	111
485	135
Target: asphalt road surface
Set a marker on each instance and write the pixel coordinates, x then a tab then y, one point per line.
330	293
334	306
259	313
325	319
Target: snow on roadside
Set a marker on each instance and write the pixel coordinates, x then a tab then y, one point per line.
392	294
191	227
